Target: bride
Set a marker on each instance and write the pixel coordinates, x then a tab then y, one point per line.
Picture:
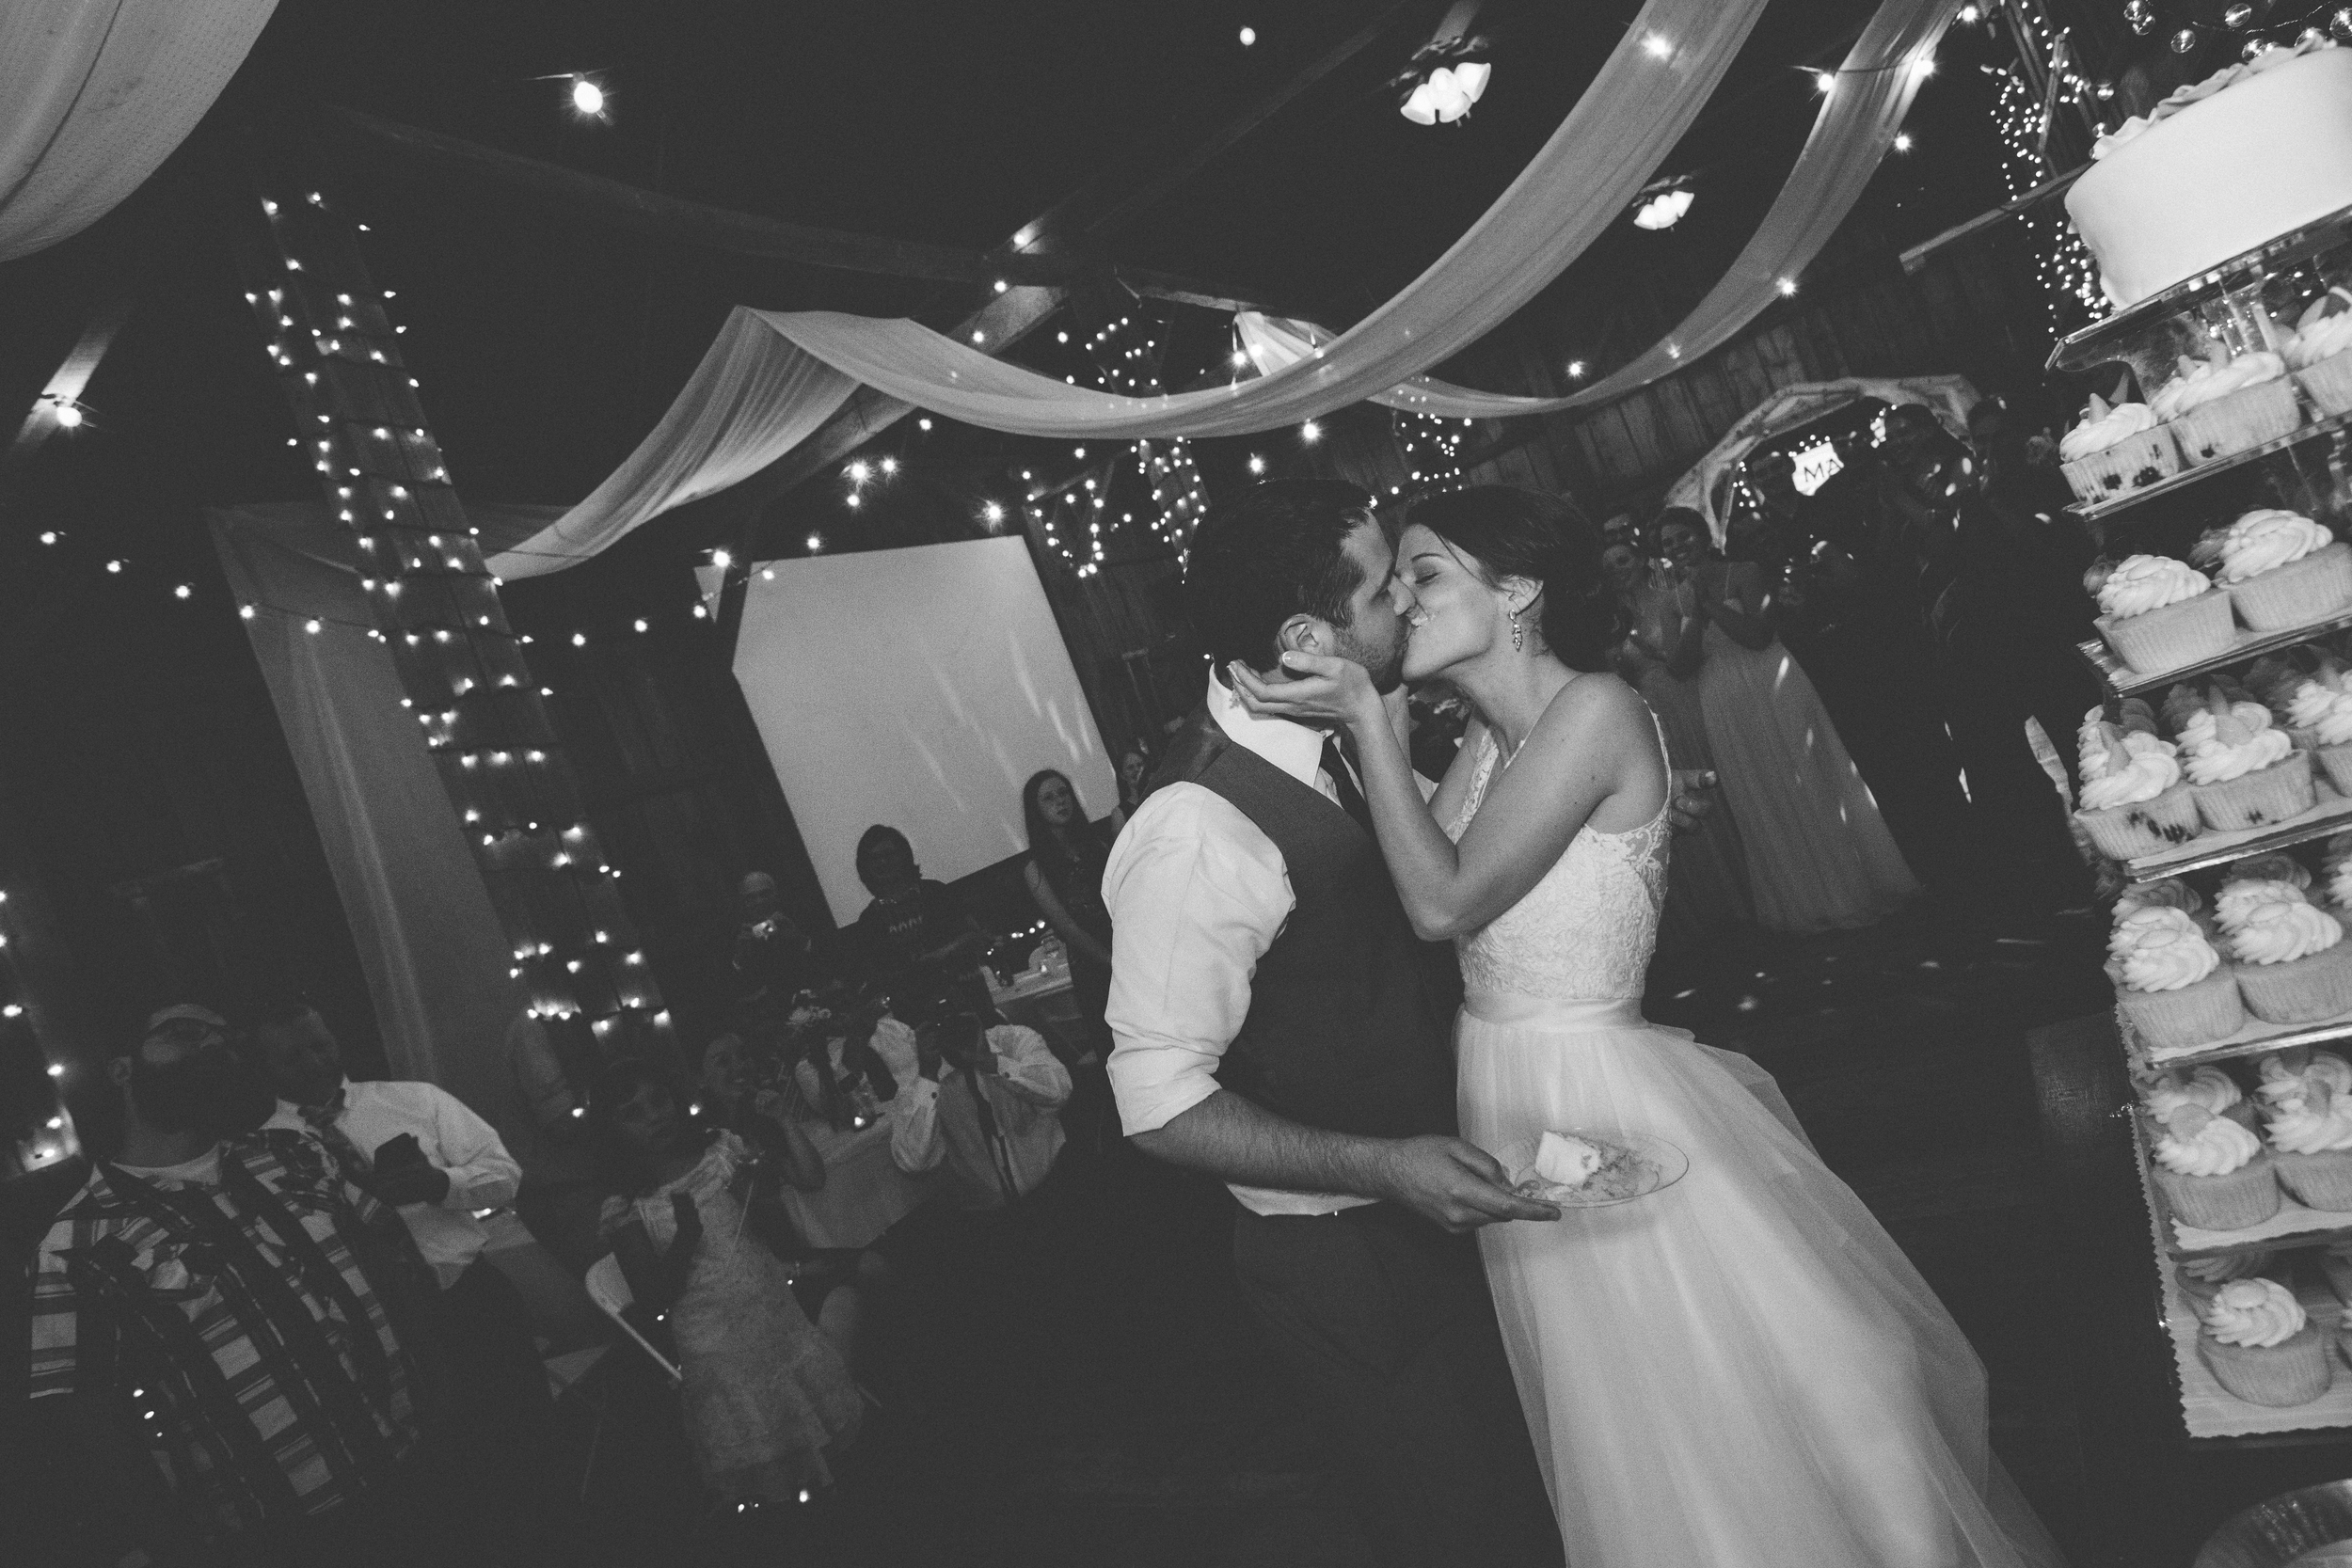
1740	1370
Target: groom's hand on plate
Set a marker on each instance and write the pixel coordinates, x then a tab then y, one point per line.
1690	796
1456	1184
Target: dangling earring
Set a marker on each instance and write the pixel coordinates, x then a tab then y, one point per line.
1519	638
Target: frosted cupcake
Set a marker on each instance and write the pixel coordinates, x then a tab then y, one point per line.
2318	355
2171	987
2259	1344
2223	406
2293	966
2159	614
2208	1088
2246	773
2200	1278
2215	1174
2282	1076
2134	802
2310	1147
2339	871
2115	451
2283	571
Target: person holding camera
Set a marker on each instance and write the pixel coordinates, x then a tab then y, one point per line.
981	1110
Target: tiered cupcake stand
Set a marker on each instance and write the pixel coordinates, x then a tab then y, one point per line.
2305	471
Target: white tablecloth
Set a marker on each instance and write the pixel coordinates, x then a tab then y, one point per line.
864	1191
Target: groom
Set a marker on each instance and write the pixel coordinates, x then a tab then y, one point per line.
1278	1024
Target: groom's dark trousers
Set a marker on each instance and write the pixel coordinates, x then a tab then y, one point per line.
1382	1317
1383	1321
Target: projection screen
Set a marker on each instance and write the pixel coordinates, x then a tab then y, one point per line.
919	688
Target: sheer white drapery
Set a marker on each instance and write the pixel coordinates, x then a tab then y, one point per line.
1861	115
750	400
428	938
95	93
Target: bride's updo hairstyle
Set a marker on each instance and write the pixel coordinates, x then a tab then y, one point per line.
1508	533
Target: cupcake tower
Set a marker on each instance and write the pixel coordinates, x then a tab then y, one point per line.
2271	950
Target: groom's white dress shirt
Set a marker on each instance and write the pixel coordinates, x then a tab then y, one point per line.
1197	894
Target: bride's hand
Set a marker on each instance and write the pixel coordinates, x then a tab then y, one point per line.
1321	690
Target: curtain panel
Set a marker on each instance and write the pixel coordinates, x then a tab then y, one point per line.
94	94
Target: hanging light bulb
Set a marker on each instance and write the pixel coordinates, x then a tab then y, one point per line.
587	98
2140	16
2237	16
2184	40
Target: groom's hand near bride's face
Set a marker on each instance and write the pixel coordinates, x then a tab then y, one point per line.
1454	1183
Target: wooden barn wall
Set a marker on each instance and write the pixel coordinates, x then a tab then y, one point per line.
1965	312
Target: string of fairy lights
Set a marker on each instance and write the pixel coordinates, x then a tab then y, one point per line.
43	1133
1433	451
2063	263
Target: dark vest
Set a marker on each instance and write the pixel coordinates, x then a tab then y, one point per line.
1349	1015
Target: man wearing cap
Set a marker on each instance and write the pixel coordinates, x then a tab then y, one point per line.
230	1338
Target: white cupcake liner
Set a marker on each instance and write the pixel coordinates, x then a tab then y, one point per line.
2263	799
2329	384
2246	418
2192	1016
2298	594
2301	991
2132	464
2173	635
2148	827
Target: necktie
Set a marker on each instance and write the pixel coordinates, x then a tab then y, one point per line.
1344	784
999	1156
322	1120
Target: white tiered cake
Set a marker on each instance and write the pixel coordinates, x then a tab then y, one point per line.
2220	168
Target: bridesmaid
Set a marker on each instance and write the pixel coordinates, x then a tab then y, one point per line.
1706	886
1819	855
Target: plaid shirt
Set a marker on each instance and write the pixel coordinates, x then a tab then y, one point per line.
248	1333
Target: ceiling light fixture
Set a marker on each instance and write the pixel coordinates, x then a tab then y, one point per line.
1662	209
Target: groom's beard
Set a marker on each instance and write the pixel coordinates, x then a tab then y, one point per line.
1385	668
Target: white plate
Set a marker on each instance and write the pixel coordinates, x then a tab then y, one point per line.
1662	1166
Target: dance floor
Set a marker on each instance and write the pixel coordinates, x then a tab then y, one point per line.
1094	1394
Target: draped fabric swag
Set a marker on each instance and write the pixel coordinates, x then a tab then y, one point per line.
772	378
1863	110
1648	93
94	94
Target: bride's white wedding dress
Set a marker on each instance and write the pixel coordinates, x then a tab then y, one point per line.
1743	1370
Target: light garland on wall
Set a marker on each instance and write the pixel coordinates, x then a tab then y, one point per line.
438	609
46	1134
1433	451
2063	263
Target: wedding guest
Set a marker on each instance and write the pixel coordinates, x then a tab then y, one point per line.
758	1113
981	1108
1706	878
917	940
773	959
419	1149
1134	778
1064	875
231	1351
766	1396
1818	855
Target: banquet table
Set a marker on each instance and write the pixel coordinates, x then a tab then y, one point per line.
1045	1003
864	1191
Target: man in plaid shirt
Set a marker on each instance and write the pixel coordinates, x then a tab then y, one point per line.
225	1332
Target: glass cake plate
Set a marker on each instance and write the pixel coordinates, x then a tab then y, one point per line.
1657	1166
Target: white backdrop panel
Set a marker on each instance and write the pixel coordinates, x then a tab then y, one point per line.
919	688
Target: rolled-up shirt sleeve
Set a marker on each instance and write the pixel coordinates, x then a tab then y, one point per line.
1197	894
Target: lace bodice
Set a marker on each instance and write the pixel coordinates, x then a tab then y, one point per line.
1585	931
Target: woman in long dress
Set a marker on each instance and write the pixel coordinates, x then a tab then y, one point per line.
1740	1370
1818	854
1708	887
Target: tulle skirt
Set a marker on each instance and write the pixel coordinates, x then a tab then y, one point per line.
1818	854
1741	1370
1707	882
